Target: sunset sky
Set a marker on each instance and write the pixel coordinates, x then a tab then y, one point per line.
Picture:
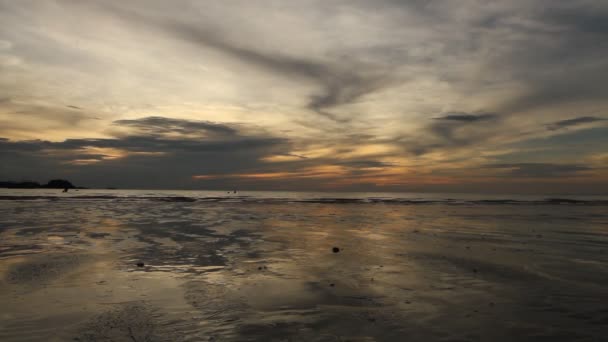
471	96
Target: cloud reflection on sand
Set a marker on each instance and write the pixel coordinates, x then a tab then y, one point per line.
260	271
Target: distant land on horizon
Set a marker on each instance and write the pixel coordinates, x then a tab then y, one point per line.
52	184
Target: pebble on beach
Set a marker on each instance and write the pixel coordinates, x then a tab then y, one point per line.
336	249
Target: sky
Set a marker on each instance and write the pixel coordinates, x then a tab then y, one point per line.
327	95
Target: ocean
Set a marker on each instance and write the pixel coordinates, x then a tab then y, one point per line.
148	265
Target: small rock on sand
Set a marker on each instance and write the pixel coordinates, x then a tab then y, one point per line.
335	249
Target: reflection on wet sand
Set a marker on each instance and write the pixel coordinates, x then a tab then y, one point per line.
222	271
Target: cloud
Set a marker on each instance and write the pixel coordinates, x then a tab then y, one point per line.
192	147
401	83
573	122
27	116
156	125
340	82
179	151
452	130
364	164
555	51
540	170
339	85
466	117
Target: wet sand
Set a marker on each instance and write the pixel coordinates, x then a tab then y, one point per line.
267	272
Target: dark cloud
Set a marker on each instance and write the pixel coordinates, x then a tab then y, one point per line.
573	122
445	126
559	56
159	134
452	130
465	117
363	164
293	155
344	89
154	160
579	17
156	125
144	158
143	144
540	170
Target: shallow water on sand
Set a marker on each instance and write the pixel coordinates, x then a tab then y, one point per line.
223	271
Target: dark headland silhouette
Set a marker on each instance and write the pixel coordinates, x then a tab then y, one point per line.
52	184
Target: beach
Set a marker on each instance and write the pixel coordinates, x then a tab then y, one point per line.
188	266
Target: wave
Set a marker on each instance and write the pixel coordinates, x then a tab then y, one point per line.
320	200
